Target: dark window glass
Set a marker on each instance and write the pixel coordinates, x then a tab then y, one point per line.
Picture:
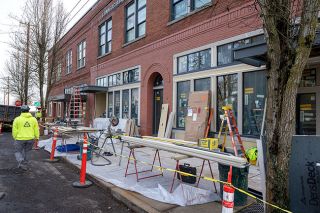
306	114
254	92
114	79
131	76
135	104
227	94
69	62
135	20
225	54
179	8
81	56
125	104
202	84
110	104
200	3
117	104
195	61
105	37
183	89
308	78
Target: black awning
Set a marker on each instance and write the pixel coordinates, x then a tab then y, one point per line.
57	98
93	89
254	54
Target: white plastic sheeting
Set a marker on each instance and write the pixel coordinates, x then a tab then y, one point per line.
156	188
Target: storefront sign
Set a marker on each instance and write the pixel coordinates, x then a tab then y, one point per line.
248	90
112	7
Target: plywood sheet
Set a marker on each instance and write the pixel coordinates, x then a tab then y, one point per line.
169	125
197	116
163	120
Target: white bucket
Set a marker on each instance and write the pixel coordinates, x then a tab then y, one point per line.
45	132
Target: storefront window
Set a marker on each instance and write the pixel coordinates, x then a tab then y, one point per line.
125	104
183	89
308	78
131	76
306	114
117	104
227	94
195	61
202	84
225	54
254	92
135	104
110	104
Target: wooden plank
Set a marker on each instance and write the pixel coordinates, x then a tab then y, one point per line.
163	120
169	125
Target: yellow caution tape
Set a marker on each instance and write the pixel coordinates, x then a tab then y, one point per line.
160	168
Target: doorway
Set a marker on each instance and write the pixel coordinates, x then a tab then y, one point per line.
306	114
157	102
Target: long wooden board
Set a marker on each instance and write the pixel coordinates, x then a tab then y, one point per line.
163	120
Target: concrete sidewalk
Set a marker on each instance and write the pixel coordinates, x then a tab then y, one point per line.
139	203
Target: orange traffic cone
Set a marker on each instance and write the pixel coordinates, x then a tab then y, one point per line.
83	183
53	148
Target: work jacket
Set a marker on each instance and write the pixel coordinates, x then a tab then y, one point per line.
25	127
38	114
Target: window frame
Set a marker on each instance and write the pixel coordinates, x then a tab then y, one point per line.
69	62
136	24
191	8
177	102
209	50
106	38
81	47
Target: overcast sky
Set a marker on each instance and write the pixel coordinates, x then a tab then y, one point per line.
7	24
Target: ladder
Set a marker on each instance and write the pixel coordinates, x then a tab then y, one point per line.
75	106
228	123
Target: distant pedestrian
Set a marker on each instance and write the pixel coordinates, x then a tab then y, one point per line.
25	132
38	114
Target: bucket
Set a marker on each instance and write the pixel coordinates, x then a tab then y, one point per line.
45	132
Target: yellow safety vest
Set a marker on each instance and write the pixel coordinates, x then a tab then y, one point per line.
25	127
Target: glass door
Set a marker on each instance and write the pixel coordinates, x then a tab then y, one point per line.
306	114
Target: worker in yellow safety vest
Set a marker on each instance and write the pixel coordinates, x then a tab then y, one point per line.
38	114
25	132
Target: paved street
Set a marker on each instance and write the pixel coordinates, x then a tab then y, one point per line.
47	187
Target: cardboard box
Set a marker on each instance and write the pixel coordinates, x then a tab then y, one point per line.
197	116
210	143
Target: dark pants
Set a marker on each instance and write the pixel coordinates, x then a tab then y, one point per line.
21	149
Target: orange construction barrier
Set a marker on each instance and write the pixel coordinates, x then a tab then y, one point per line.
53	148
83	183
0	128
228	195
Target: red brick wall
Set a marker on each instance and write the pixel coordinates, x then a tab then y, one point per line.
155	51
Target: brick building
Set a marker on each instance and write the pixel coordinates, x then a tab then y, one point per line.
131	56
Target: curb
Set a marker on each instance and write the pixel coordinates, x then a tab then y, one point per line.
122	195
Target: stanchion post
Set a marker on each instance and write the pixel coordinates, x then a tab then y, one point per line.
53	147
228	195
83	183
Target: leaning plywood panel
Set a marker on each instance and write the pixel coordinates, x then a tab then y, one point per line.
197	116
169	125
163	120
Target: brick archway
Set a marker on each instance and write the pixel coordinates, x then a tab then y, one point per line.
146	99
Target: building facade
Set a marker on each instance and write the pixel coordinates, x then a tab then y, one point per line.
132	56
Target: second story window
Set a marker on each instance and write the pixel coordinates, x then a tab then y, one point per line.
69	62
135	20
105	37
59	72
81	57
181	8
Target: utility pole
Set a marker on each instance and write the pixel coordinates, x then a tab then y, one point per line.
8	90
26	73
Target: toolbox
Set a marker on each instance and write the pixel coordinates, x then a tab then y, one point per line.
187	169
210	143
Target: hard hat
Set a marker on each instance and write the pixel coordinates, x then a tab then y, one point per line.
25	108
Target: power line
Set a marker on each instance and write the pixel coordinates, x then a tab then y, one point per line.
74	8
79	10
